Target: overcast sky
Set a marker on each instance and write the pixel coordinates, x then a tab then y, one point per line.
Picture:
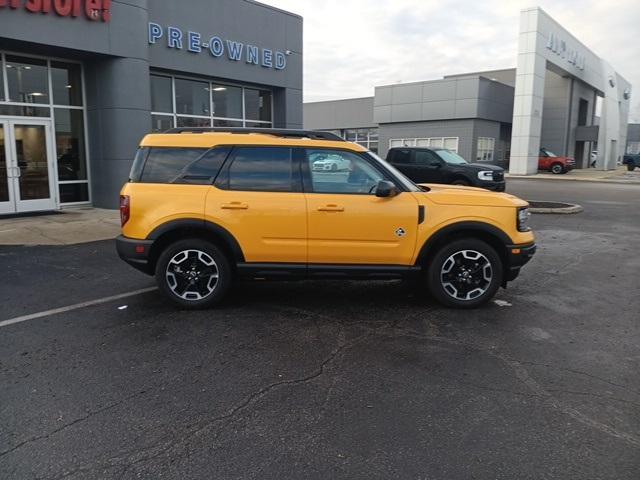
350	46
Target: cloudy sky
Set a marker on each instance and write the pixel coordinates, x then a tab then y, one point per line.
350	46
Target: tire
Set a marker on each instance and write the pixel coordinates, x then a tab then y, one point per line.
181	273
453	273
557	169
461	181
631	166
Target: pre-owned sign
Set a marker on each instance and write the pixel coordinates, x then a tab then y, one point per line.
92	9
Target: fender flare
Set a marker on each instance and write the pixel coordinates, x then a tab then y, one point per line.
465	226
200	224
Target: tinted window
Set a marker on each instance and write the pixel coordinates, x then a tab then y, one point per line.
261	169
205	169
164	165
424	157
66	79
336	171
27	79
192	98
401	156
161	94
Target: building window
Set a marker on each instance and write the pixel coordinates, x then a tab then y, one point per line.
199	103
486	148
450	143
52	90
367	137
161	94
66	81
27	80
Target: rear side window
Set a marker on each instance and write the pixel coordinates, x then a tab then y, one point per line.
138	164
204	169
401	156
264	169
164	165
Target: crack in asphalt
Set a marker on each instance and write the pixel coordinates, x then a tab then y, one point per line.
523	376
163	446
70	424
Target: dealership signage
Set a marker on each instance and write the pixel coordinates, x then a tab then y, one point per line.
91	9
559	47
217	47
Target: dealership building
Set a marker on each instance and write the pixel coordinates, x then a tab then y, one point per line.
82	81
561	96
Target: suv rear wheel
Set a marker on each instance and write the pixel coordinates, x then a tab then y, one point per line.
193	273
465	273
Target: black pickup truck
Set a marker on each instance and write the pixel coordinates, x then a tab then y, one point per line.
631	161
439	165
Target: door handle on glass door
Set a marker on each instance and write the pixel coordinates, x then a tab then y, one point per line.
331	208
235	206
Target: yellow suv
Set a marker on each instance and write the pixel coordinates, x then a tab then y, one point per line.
205	206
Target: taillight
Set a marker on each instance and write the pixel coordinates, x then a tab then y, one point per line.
125	209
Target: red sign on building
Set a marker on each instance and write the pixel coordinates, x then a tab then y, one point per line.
92	9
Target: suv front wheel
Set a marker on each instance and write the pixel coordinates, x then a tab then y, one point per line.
193	273
464	274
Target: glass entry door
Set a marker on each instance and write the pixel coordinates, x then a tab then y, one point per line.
27	171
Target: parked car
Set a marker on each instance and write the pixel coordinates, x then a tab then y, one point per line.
331	163
439	165
553	163
631	161
203	207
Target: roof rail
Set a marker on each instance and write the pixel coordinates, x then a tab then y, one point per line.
279	132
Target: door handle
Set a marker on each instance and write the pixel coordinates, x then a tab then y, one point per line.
331	208
235	206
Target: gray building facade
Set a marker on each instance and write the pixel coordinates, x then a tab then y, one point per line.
82	82
468	113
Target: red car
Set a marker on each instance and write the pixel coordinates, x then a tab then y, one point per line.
555	164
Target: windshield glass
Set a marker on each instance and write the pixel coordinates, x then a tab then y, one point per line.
408	184
452	158
549	153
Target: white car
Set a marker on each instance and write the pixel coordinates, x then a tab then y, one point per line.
331	163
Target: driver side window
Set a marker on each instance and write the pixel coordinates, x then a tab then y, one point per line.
427	158
336	171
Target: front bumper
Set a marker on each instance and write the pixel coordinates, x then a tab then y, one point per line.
135	252
517	256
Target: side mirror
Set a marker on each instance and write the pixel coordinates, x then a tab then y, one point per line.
385	188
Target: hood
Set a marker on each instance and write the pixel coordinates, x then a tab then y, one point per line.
486	166
459	195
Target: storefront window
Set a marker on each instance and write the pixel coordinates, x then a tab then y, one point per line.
257	104
161	94
227	101
1	83
486	146
193	122
257	125
192	98
27	80
72	163
161	123
24	111
74	192
218	122
66	80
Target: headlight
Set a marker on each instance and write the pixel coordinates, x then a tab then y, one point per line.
485	175
523	219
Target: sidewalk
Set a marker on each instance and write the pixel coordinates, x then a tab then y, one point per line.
620	175
70	226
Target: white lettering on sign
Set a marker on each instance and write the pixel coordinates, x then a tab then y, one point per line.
559	47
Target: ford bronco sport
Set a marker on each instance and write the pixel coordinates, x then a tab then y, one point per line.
204	206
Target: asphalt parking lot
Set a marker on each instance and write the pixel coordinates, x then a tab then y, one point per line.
327	379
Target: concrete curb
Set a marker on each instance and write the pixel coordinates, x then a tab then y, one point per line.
569	209
572	179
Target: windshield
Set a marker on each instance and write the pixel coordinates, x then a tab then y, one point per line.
452	158
548	153
408	184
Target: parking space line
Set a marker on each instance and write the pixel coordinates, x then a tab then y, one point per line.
75	306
